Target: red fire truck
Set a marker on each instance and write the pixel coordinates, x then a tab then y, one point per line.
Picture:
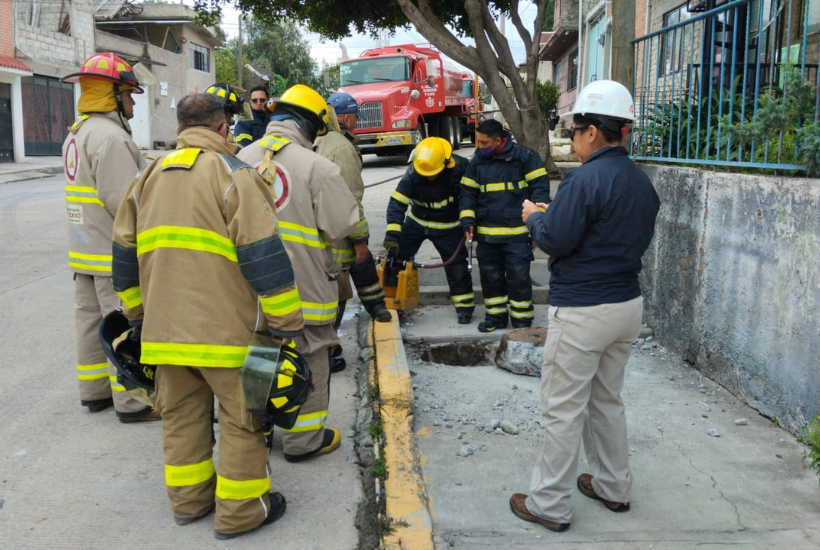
407	93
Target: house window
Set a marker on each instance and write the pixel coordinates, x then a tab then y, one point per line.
572	74
670	64
558	76
200	57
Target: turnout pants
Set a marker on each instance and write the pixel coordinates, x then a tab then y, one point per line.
585	356
366	281
240	485
505	280
94	298
458	277
308	432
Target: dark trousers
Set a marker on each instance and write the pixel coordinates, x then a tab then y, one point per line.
366	281
458	277
505	279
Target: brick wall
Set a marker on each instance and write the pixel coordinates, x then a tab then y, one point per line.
6	30
39	36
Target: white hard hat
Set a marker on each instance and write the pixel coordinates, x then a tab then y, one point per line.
604	97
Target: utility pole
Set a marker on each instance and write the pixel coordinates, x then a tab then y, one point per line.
239	55
622	68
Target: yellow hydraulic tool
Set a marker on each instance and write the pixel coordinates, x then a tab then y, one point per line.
400	281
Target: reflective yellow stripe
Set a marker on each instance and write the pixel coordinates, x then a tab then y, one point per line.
181	157
537	173
192	474
495	301
97	371
393	227
494	187
240	137
315	311
188	238
401	198
343	255
295	233
361	229
469	183
502	230
467	214
435	205
90	262
82	194
464	300
309	422
131	297
193	355
115	386
273	143
433	225
281	304
522	305
522	314
231	489
497	310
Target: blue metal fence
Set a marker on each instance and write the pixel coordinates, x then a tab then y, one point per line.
732	86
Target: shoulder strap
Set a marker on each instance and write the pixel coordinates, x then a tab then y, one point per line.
76	126
181	158
273	143
233	164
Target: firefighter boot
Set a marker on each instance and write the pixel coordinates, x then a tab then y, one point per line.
465	317
97	405
332	440
278	504
148	414
337	362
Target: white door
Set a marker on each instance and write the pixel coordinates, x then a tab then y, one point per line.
141	123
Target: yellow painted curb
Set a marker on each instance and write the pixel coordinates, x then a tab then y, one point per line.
405	496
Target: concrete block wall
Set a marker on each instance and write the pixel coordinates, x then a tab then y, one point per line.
42	40
732	282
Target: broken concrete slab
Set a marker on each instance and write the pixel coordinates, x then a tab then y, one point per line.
522	351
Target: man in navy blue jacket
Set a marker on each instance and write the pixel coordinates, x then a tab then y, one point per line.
596	230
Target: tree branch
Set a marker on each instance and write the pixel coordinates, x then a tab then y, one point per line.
522	31
431	27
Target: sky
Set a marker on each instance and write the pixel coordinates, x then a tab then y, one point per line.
330	52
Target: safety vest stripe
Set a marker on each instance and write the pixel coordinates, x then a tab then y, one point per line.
467	214
231	489
343	255
240	137
521	230
90	262
295	233
115	385
97	371
495	301
309	422
189	238
315	311
433	225
131	297
281	304
522	314
503	186
360	230
435	205
522	305
393	227
193	355
191	474
82	194
497	310
537	173
469	183
401	198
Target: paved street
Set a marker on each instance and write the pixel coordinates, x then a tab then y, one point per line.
70	479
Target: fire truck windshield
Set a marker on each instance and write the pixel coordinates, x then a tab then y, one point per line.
377	69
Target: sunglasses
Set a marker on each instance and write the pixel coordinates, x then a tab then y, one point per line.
574	129
258	100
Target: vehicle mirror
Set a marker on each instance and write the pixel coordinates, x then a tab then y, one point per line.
415	94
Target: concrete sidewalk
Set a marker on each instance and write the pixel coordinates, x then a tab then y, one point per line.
744	487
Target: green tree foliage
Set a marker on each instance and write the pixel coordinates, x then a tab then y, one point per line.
226	65
547	96
549	19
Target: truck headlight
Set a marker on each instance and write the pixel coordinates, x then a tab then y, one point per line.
401	124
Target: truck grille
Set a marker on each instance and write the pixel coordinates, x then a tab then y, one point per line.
372	110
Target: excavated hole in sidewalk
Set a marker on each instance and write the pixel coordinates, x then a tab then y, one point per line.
458	354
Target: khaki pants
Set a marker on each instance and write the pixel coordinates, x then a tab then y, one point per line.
585	354
241	484
306	436
94	297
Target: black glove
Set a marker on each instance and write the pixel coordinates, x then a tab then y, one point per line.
388	245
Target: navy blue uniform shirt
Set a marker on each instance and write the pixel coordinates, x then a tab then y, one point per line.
596	230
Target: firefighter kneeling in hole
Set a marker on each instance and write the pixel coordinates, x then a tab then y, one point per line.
315	208
431	188
200	266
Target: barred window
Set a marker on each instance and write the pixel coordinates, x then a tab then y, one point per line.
200	57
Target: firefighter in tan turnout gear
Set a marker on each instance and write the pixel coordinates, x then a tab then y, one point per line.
100	160
314	208
196	250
